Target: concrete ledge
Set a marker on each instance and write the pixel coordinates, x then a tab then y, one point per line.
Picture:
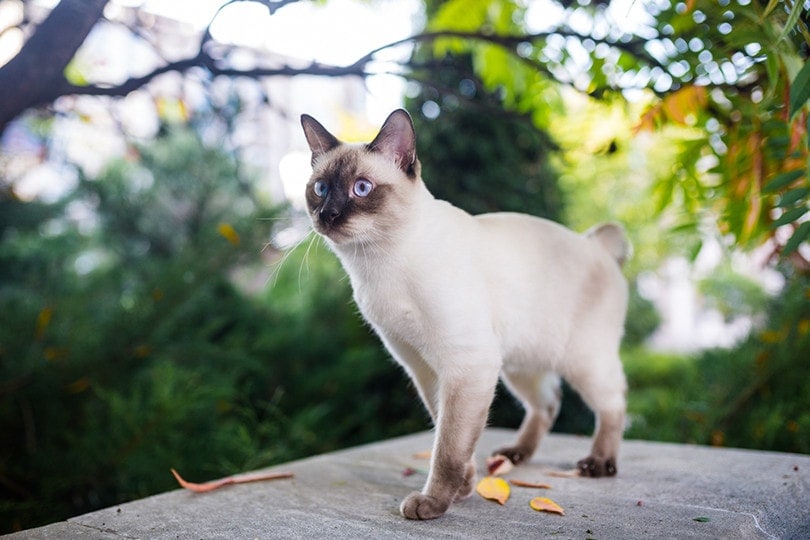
662	491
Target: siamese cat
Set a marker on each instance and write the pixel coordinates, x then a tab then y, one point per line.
461	300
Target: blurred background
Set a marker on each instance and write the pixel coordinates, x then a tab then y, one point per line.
164	304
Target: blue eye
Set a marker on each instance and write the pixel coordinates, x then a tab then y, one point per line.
320	188
362	187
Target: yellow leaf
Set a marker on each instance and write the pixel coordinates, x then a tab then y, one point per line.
544	504
494	489
771	336
229	233
172	110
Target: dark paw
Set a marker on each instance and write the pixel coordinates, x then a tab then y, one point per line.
596	467
515	454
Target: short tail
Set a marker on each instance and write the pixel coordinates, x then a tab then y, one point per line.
612	237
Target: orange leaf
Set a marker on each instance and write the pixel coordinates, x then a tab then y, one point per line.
498	465
680	105
494	489
425	454
523	483
544	504
215	484
648	120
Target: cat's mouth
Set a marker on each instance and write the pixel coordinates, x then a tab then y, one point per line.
334	229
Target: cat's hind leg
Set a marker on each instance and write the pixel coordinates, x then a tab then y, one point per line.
540	395
604	390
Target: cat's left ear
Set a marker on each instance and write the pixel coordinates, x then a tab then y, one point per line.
320	141
397	140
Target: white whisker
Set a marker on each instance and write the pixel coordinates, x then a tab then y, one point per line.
287	253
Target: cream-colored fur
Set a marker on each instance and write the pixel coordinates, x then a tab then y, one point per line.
460	300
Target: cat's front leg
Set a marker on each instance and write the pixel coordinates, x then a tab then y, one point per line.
463	406
422	375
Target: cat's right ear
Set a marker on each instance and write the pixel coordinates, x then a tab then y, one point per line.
397	141
320	141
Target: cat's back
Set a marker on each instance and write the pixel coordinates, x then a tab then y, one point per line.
525	232
520	246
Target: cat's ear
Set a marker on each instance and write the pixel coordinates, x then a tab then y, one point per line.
320	141
397	140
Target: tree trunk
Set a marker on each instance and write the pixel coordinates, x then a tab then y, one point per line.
36	75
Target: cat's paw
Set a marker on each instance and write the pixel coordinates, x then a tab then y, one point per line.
596	467
419	506
516	454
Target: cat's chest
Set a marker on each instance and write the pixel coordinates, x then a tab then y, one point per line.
388	304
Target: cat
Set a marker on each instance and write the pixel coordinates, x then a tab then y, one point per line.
461	300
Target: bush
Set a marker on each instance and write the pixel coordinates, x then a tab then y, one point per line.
752	396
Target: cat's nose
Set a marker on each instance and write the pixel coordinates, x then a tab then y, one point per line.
329	215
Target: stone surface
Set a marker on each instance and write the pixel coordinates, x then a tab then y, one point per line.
661	491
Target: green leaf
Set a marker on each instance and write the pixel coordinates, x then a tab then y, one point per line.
702	519
74	75
801	234
790	216
772	69
795	11
461	15
772	4
781	180
790	197
800	89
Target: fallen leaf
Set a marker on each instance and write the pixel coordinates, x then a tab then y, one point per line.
498	464
702	519
544	504
523	483
573	473
422	455
494	489
243	479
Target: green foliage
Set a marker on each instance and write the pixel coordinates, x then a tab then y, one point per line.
477	155
727	83
751	396
732	294
642	319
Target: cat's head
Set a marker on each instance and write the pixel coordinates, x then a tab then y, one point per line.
358	193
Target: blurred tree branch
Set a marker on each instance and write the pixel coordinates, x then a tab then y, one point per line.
36	74
736	74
